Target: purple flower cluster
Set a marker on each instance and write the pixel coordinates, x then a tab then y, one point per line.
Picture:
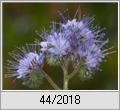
78	38
75	41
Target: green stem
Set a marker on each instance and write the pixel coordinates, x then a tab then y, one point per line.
74	72
53	84
65	85
65	74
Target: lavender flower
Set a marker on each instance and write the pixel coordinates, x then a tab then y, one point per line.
85	41
77	37
29	62
56	44
25	65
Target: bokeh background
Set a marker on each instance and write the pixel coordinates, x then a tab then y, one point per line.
21	20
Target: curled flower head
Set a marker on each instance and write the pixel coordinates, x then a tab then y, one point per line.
25	64
30	62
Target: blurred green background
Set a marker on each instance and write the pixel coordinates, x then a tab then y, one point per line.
21	20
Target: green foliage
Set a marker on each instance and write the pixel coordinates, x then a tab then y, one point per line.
34	80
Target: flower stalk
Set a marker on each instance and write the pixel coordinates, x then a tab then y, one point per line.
74	72
52	83
65	85
65	74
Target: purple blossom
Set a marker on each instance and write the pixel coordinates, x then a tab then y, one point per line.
94	56
76	42
56	44
30	61
77	37
24	62
85	41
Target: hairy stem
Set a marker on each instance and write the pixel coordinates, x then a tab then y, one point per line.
65	85
65	74
53	84
73	73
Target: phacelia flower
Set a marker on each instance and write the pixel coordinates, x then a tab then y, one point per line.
85	41
56	44
29	62
71	42
78	37
25	65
